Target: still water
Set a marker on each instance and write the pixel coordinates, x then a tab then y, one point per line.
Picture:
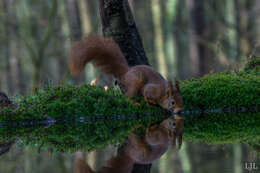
193	157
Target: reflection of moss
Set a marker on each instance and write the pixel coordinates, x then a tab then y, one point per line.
256	146
222	90
211	91
223	128
71	102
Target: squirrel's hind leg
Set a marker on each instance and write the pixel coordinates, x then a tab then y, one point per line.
137	148
156	135
133	85
151	93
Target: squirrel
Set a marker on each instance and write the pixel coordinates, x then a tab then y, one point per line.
157	139
139	79
140	150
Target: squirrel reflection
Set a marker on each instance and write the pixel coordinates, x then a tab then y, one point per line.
144	150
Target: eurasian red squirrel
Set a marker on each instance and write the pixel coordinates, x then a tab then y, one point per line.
139	79
144	150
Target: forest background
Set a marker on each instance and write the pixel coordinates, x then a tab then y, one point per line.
182	38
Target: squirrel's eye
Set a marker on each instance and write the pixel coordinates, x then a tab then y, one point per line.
172	102
174	124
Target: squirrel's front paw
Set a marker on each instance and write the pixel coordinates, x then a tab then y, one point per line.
148	101
134	102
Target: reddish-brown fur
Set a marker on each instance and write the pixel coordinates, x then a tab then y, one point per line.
140	79
104	52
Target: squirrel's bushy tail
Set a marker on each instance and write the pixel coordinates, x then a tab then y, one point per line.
104	52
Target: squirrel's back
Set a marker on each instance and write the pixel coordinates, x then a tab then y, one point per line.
104	52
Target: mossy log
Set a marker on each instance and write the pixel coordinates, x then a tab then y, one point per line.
65	103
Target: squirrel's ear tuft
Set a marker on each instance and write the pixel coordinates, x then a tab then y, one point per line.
179	141
174	141
171	86
177	86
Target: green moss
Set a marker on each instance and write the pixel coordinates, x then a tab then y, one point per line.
221	90
212	91
71	102
223	128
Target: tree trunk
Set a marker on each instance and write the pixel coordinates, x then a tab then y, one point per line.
14	59
74	20
252	20
204	34
38	49
118	23
142	9
85	17
184	48
64	35
14	72
76	25
238	164
159	41
238	28
177	162
7	50
36	73
199	28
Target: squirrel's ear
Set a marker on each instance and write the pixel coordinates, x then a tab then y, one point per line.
179	141
174	141
171	86
177	86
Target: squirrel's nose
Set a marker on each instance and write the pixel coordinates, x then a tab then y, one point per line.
177	110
